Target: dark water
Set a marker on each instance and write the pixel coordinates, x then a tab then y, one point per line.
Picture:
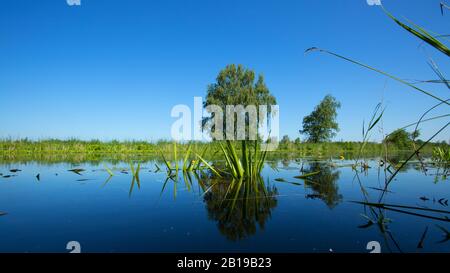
200	214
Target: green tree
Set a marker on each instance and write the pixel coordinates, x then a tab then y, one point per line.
284	143
297	142
321	124
400	139
236	85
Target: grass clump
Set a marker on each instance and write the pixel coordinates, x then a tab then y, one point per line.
248	164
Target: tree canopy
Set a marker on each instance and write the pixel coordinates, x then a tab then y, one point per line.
401	139
237	85
321	124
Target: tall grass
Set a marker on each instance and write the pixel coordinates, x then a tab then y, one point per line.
243	164
188	165
248	164
441	157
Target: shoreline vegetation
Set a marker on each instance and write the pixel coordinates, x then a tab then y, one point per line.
73	150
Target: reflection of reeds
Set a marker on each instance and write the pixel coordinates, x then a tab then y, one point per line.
135	174
188	178
401	209
446	234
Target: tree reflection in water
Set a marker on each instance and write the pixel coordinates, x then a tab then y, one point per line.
240	207
323	183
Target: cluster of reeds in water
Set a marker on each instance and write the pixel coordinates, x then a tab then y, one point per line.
246	163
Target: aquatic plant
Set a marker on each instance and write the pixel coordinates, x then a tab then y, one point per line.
188	165
249	164
175	166
366	131
108	170
135	173
77	171
441	156
441	159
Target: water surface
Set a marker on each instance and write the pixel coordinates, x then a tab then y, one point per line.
196	213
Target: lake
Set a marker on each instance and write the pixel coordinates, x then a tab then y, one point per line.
197	213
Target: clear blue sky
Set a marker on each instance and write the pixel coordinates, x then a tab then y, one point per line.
113	69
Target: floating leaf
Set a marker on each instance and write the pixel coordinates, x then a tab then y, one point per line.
306	175
77	171
284	181
379	189
108	170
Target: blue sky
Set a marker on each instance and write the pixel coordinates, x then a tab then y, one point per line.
113	69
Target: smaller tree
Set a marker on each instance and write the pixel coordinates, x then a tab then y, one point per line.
400	139
321	124
284	142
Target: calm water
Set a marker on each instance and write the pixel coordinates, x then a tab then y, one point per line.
156	214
